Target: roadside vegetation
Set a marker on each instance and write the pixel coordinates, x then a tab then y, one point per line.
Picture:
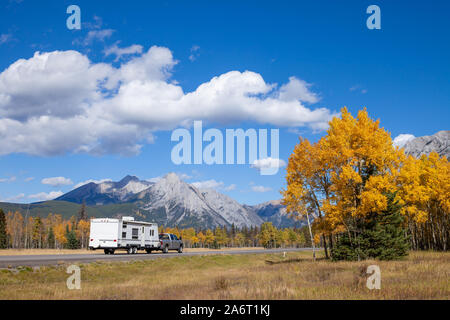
422	275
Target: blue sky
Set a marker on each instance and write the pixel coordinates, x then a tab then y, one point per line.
401	73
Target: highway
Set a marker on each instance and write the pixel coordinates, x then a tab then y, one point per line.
42	260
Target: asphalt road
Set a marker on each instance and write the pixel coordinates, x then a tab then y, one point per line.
42	260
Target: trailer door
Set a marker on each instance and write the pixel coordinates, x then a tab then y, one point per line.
143	236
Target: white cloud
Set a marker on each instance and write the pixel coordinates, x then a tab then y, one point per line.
97	35
402	139
297	89
208	184
29	179
89	181
14	198
213	184
57	181
268	163
194	53
230	187
154	180
5	37
59	102
120	52
10	179
358	87
261	189
43	196
184	176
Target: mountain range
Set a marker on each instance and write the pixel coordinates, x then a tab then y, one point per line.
169	201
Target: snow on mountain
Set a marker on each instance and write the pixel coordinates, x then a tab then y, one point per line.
439	142
177	203
106	192
230	209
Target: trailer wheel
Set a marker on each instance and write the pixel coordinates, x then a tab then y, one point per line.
148	251
166	249
134	250
111	251
130	250
106	251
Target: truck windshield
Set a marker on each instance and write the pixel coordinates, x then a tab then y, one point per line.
163	236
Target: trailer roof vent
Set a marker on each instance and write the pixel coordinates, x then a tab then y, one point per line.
127	218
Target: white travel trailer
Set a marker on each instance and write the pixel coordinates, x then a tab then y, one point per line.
125	233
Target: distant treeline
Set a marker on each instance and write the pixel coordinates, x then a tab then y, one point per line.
56	232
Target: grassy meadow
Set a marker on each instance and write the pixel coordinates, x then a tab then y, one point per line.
422	275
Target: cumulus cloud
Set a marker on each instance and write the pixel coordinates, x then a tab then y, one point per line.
57	181
43	196
268	163
261	189
60	102
297	89
402	139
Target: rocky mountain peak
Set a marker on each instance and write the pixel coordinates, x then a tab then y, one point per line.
439	142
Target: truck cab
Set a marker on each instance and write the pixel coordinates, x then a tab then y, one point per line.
169	241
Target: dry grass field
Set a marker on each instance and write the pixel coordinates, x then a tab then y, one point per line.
423	275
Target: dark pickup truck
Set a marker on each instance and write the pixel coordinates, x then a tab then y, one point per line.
169	241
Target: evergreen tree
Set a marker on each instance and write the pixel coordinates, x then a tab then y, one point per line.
82	213
380	236
36	236
386	236
72	241
3	234
51	238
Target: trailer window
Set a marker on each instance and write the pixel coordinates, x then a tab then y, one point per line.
124	235
134	233
124	226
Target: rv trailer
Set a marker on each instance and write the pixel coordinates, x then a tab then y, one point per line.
123	234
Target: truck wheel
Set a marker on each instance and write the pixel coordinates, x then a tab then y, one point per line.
180	249
130	250
166	249
134	250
